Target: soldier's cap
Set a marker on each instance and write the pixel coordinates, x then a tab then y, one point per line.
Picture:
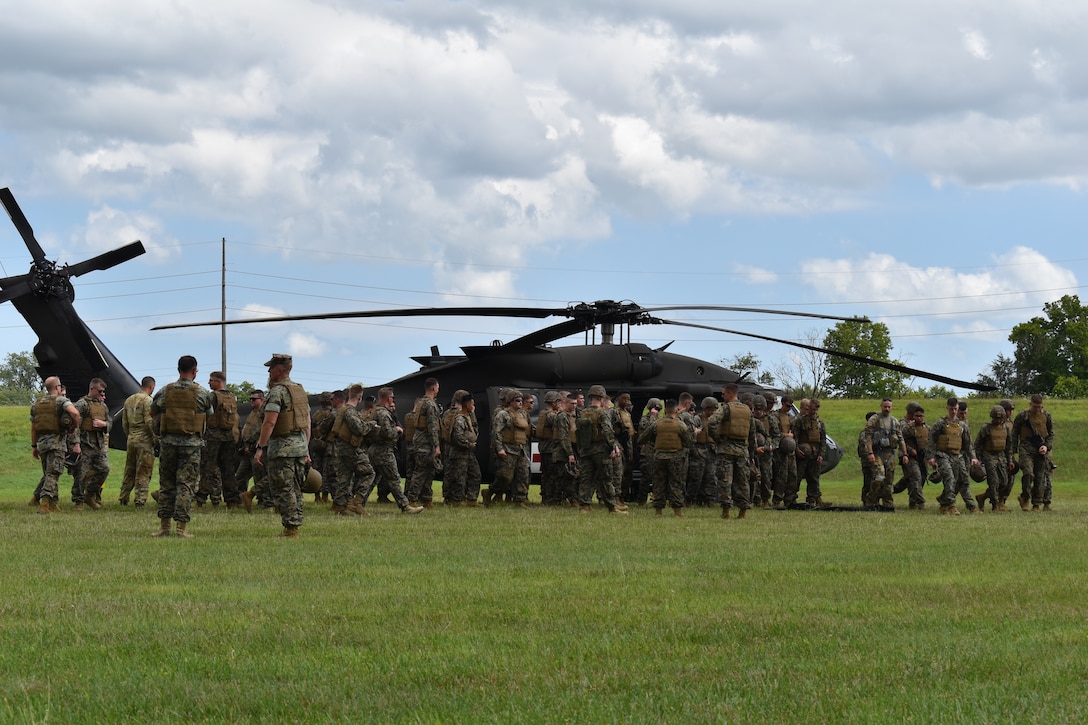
596	391
552	396
709	403
278	358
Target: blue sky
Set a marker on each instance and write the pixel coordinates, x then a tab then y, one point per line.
923	164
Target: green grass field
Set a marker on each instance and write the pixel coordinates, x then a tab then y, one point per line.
502	615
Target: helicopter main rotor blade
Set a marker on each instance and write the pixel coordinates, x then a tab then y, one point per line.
20	222
107	260
14	287
760	310
838	353
532	312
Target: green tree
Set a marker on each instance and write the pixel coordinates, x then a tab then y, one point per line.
241	390
748	363
19	371
1002	376
1051	348
851	379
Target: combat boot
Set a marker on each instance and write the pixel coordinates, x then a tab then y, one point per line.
180	530
289	532
356	507
725	512
1046	507
338	510
43	506
742	513
585	509
981	500
410	509
678	512
1024	501
486	495
92	503
953	511
617	512
1001	506
155	495
164	528
247	500
53	505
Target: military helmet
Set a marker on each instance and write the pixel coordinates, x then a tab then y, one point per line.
312	484
997	412
655	403
935	476
511	395
596	391
457	395
805	449
759	402
709	403
788	445
552	396
978	473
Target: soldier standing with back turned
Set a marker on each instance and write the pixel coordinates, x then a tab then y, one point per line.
140	448
49	440
286	435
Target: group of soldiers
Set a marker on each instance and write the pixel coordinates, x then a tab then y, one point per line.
1003	446
740	452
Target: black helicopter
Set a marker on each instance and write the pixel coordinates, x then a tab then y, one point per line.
533	366
66	347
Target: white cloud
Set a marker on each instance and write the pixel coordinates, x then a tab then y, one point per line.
975	43
305	345
110	228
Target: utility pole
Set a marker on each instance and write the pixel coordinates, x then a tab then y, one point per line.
223	308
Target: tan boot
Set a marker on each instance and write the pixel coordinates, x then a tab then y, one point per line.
1001	506
164	528
53	505
1024	502
679	512
43	506
247	500
725	512
91	503
338	510
356	507
742	513
180	531
289	532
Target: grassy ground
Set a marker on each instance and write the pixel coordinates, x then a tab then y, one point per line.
546	615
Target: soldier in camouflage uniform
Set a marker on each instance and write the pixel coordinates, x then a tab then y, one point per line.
811	437
318	445
564	459
510	429
883	446
785	455
672	438
628	439
764	450
251	432
994	448
140	449
219	460
183	407
735	444
94	429
285	433
1033	437
949	447
383	458
49	440
597	447
449	415
702	477
646	449
347	466
462	471
425	449
916	439
550	471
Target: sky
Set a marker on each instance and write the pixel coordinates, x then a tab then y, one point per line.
923	164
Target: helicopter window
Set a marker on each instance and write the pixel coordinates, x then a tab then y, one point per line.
699	370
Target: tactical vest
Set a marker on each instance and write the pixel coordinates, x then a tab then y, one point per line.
921	435
589	428
410	421
951	440
701	436
517	433
739	422
545	426
297	416
46	415
810	431
882	432
96	410
1035	424
784	420
225	416
252	429
997	439
181	416
668	436
341	429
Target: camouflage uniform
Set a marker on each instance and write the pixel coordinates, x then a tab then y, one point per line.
550	470
595	470
425	440
916	439
462	470
762	493
140	449
733	453
949	444
645	458
1030	430
702	478
320	420
52	445
383	457
94	461
672	439
785	460
566	484
219	459
347	465
179	457
811	437
510	429
287	454
884	439
251	433
994	448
